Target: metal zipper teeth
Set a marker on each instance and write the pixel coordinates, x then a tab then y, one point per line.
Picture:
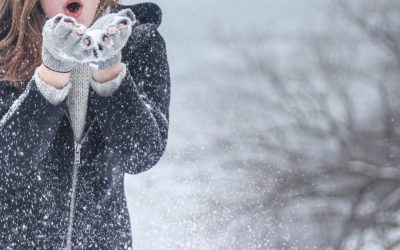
77	159
77	162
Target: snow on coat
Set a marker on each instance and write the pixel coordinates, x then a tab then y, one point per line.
125	133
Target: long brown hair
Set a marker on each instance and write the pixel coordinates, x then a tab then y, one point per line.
21	23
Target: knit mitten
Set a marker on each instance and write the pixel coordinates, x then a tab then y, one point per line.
109	35
64	43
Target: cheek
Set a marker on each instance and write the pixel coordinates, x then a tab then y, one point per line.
51	8
91	7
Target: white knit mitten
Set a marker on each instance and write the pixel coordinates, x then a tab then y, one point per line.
109	35
64	43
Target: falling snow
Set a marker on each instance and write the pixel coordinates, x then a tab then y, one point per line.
57	193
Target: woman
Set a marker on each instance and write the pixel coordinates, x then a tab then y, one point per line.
84	98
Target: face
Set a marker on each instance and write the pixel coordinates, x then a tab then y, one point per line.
84	11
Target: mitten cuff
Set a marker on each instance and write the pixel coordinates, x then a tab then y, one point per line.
108	88
108	63
53	95
55	64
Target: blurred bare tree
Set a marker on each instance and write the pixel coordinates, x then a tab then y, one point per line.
315	120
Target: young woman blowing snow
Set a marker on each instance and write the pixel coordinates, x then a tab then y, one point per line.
84	98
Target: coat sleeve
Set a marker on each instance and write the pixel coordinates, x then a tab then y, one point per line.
28	124
134	119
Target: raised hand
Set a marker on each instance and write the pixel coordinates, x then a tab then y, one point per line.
64	43
108	35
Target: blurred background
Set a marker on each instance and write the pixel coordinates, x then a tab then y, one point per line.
284	128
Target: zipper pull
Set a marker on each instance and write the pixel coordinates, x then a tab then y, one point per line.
77	150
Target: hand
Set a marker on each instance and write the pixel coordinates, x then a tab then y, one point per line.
64	43
109	35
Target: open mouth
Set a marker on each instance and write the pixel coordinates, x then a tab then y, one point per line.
73	8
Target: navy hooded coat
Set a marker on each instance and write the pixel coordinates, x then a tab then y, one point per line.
125	133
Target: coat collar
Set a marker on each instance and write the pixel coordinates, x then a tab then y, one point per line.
146	13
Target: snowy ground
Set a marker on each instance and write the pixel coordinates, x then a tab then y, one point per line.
190	200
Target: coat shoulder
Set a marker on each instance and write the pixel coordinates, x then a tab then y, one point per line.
7	89
146	13
8	94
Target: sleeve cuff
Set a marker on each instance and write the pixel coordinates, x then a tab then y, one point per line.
53	95
108	88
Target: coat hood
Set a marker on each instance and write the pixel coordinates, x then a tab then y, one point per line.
146	13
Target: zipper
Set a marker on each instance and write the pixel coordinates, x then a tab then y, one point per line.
77	163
